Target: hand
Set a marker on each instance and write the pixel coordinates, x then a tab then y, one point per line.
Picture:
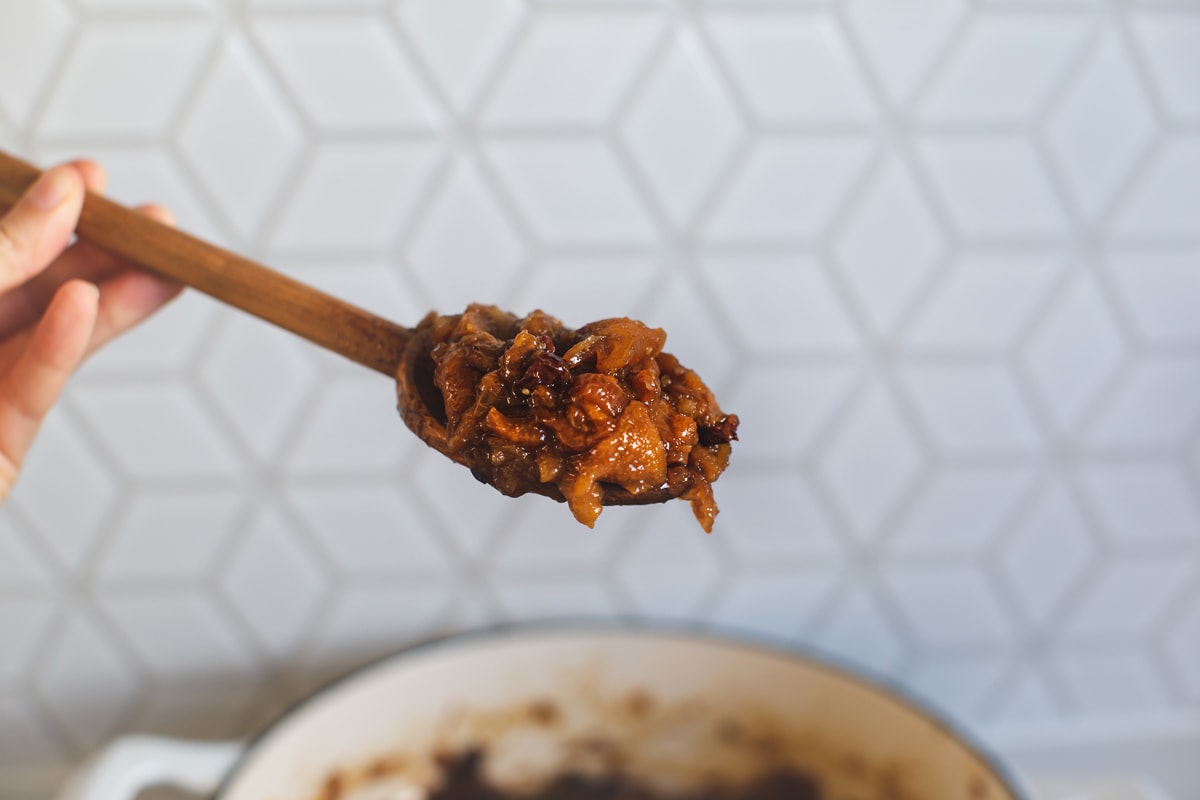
58	303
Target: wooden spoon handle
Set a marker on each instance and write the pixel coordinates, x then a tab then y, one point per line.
333	324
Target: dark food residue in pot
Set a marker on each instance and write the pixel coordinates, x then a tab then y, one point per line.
530	403
464	782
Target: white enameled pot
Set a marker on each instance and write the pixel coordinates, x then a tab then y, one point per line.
671	708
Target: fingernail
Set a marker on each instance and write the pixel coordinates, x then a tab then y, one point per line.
51	189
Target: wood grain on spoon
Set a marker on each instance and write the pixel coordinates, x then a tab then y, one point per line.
240	282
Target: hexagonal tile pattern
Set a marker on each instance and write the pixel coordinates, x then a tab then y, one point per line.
460	40
993	187
860	631
585	288
669	571
571	69
356	196
172	535
20	566
1127	598
1183	646
373	88
58	467
92	97
1046	553
89	684
472	515
1112	683
958	681
1004	67
902	43
1165	199
780	605
343	433
892	218
31	41
571	191
872	461
985	302
1143	501
243	165
1142	412
788	190
972	409
1104	97
556	597
460	269
1154	286
259	378
275	583
683	128
1168	43
541	536
792	67
23	624
769	517
1073	351
976	618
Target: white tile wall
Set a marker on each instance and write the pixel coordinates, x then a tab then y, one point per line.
942	257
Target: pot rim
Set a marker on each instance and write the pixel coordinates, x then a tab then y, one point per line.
724	635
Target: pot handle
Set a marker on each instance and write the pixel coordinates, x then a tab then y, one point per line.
133	763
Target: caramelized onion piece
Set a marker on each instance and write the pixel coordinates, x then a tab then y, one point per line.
532	406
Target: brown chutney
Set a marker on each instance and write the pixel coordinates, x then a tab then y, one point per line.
531	404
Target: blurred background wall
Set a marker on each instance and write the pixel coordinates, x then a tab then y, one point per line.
942	257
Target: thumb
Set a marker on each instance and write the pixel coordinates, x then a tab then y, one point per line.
39	226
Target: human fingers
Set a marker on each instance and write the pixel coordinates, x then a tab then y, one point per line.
36	379
39	226
126	299
93	174
22	306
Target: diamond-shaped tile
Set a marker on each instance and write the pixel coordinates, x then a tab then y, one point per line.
571	191
372	88
985	301
571	69
961	509
783	409
769	516
669	570
792	67
782	304
1143	501
949	605
1165	199
460	40
370	530
1112	682
241	163
459	269
580	289
683	128
1183	646
1156	287
693	332
958	682
993	186
542	537
180	637
31	39
170	535
94	97
971	408
778	604
789	189
861	632
872	461
470	513
1004	67
87	682
892	218
157	429
1127	598
902	42
24	735
1073	351
274	583
357	196
20	567
1045	554
567	595
1148	409
366	621
23	624
1170	45
355	427
1100	126
63	465
259	378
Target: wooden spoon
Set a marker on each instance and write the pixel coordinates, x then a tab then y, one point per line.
326	321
